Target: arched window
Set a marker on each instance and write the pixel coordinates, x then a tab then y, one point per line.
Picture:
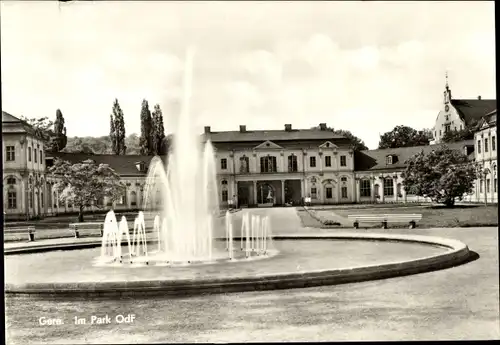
376	191
365	188
11	193
133	198
343	179
224	182
11	180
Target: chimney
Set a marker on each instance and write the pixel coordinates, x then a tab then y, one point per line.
243	128
207	129
479	97
322	126
288	127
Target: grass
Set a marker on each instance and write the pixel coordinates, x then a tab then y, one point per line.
435	216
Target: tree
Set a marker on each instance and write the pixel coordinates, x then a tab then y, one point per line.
42	127
404	136
112	134
356	143
442	175
60	139
146	129
458	135
85	183
117	130
158	132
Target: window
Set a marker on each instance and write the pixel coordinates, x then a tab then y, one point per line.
34	155
292	163
480	186
447	128
224	196
388	187
224	183
133	198
343	179
10	153
485	144
343	161
388	160
343	192
244	166
493	143
30	200
11	199
49	197
365	188
158	197
268	164
398	190
479	146
314	192
312	162
41	157
376	190
328	161
29	154
439	132
447	117
223	163
329	192
41	199
11	180
487	185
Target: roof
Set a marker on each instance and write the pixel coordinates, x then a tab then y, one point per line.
369	160
489	120
122	164
272	135
6	117
472	110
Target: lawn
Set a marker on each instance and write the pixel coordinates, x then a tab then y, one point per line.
432	216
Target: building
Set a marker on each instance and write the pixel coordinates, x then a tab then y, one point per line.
278	167
458	114
24	179
254	168
378	172
486	155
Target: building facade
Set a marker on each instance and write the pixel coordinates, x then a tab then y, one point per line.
458	114
485	139
283	167
254	168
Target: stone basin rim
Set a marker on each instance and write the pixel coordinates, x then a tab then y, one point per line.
457	253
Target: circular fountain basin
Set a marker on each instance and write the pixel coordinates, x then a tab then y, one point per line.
299	261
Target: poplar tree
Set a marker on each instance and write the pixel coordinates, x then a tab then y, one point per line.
158	132
146	139
112	133
59	139
119	127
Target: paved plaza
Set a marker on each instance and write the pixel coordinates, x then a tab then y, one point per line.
456	303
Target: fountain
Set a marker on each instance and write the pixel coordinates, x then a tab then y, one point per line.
185	198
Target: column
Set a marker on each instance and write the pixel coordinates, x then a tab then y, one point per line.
255	163
321	162
255	192
372	189
382	189
282	162
395	188
357	192
282	192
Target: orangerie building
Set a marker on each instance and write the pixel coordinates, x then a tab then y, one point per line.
254	168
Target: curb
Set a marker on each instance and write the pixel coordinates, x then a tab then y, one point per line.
458	253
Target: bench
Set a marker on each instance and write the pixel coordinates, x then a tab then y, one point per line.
78	227
412	219
30	230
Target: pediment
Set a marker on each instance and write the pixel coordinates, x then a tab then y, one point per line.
328	145
266	145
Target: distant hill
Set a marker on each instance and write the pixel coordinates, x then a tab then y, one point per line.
102	145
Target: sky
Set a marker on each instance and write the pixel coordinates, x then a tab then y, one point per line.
365	67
